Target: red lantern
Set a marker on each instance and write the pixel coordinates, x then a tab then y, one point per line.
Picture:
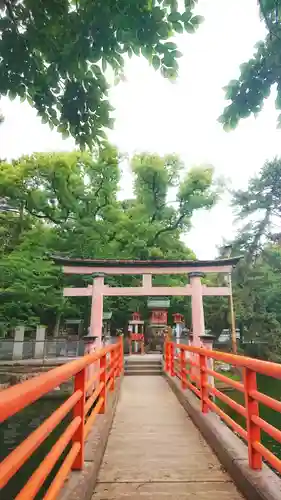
136	316
178	318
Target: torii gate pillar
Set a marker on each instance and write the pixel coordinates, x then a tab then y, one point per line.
197	308
97	309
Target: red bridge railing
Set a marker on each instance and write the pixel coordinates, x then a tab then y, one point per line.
94	375
191	366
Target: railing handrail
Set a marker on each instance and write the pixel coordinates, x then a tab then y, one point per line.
258	365
197	374
16	398
89	398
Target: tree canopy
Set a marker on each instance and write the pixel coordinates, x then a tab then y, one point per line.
258	75
256	280
58	54
69	204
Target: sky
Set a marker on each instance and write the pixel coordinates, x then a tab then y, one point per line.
154	115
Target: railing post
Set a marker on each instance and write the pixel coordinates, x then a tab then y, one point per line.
203	383
79	411
103	379
121	357
172	359
166	353
252	409
183	368
111	365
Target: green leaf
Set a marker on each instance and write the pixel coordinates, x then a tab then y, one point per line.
170	46
163	30
169	60
177	54
12	95
174	17
178	27
156	62
196	20
146	52
65	134
278	100
190	28
186	16
189	4
158	13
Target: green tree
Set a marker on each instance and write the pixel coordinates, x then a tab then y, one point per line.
256	280
68	204
259	208
57	54
259	74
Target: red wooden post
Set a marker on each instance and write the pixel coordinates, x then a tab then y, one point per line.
183	368
166	350
172	359
103	379
79	411
252	408
121	356
111	365
203	383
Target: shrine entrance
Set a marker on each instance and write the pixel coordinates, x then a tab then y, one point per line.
99	269
157	323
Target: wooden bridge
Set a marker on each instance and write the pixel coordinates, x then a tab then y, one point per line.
149	437
155	451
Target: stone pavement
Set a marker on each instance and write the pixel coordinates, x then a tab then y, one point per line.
155	452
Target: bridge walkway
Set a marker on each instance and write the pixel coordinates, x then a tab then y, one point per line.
155	452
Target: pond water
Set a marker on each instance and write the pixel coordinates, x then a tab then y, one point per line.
271	387
15	430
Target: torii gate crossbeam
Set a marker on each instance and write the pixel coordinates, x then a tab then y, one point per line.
195	269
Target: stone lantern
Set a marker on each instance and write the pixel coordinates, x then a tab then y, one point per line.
135	329
178	320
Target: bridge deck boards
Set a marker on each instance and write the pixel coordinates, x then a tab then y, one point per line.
155	452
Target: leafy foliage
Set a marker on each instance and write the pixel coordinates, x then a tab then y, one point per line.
259	74
55	54
68	203
256	280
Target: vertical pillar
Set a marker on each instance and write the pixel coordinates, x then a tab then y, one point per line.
97	309
18	342
136	342
207	343
197	315
147	282
178	332
39	342
89	348
197	308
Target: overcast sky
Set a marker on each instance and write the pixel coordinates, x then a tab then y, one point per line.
155	115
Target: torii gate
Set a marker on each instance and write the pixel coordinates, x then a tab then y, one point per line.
195	269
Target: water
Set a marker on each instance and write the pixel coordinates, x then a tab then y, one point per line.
14	430
271	387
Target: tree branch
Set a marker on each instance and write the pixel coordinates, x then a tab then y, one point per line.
170	228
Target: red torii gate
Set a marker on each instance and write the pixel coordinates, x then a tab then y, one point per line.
195	269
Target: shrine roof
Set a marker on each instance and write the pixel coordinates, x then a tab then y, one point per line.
124	263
